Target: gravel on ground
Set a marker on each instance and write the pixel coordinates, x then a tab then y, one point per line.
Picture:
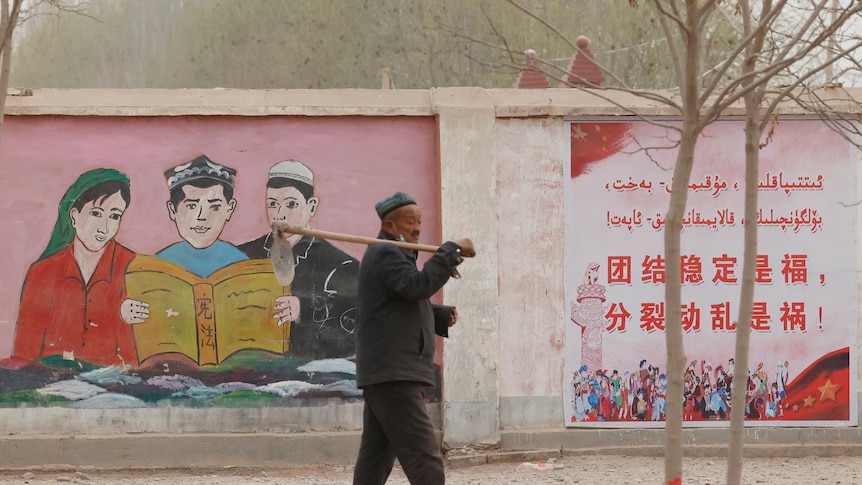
580	470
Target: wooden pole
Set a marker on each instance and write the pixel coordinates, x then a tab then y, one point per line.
278	227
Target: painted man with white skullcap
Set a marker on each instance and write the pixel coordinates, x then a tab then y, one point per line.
325	277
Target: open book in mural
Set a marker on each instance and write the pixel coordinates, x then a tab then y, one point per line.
207	319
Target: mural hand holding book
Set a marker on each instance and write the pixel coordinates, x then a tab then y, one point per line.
134	311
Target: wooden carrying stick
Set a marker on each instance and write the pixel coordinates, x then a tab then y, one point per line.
279	227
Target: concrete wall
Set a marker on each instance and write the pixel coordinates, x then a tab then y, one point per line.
501	171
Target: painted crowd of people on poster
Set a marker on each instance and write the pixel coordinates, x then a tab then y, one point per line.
142	272
617	187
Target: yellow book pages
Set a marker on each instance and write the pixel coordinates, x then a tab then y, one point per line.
168	289
244	295
207	319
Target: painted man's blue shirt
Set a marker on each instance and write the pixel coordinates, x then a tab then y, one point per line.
202	262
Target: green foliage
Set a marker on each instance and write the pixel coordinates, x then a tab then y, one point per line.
244	399
58	362
30	398
256	359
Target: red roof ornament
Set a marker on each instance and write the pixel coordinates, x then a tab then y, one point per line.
583	70
531	76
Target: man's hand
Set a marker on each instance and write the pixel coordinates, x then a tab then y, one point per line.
286	309
134	311
453	317
467	249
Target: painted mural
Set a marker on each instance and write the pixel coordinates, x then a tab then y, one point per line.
139	270
804	319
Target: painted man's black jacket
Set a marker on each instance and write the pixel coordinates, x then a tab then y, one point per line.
396	320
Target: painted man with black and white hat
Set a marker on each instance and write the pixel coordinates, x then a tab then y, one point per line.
325	277
201	203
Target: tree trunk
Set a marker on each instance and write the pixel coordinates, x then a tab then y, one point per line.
8	20
690	86
673	304
739	389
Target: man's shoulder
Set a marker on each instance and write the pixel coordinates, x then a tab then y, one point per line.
387	253
379	249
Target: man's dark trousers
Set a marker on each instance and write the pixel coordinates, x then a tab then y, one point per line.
396	424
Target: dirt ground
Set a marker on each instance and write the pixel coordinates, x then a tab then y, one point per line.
586	470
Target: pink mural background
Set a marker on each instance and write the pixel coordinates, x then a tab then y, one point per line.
356	162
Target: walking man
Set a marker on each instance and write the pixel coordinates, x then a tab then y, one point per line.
395	346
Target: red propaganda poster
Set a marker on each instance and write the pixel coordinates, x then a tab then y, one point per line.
803	324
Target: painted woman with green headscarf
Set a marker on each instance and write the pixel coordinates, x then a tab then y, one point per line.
70	302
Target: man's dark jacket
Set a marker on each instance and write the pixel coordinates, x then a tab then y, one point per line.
397	321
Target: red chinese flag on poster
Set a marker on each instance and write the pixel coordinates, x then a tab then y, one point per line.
822	391
592	142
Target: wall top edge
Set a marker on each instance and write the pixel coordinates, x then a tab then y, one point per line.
524	103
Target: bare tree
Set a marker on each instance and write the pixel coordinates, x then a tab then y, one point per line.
799	56
12	14
779	55
9	15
